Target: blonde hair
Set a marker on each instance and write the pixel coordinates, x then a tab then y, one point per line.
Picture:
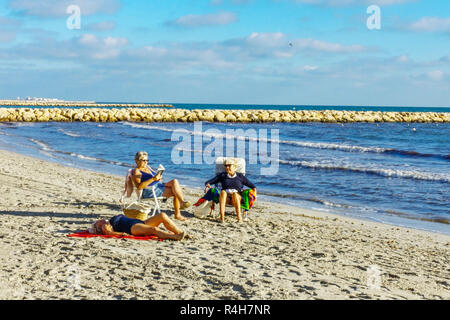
230	161
139	154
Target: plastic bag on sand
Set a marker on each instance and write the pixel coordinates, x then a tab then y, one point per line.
203	210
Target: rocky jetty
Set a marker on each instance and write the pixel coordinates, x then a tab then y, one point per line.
183	115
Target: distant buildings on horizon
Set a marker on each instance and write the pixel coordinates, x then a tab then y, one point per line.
39	99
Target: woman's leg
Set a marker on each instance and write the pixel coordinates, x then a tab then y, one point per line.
173	189
222	203
141	229
156	220
236	200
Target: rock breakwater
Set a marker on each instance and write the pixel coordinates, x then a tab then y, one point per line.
184	115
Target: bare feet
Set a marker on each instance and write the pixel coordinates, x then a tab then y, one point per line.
180	217
181	236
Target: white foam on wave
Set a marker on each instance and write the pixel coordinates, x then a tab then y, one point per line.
24	124
49	151
89	158
42	145
189	150
83	157
304	144
69	133
410	174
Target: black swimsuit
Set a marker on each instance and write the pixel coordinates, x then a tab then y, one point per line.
121	223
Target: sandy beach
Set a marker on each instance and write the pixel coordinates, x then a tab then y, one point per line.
282	252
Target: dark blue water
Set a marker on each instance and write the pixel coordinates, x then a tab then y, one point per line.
396	173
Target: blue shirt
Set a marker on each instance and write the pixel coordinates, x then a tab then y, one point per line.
237	182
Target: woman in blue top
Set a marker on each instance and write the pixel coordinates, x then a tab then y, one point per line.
232	183
143	175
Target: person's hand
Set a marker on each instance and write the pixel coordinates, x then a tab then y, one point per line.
158	177
206	188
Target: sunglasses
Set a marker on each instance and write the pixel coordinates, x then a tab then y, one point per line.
143	160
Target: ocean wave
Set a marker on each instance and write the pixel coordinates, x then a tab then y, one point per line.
407	174
304	144
189	150
69	133
43	146
49	150
84	157
307	198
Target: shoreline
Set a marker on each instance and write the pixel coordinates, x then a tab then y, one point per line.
282	252
408	223
158	114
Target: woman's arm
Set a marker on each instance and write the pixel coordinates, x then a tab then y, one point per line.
137	175
247	183
107	229
213	180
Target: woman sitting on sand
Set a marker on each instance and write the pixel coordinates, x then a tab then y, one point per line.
232	184
121	225
143	175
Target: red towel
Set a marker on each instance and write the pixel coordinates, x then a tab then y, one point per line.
85	234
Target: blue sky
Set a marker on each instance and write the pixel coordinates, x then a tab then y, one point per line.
293	52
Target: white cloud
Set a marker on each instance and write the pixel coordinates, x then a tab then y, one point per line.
92	40
323	46
341	3
200	20
115	42
436	75
403	58
430	24
100	48
57	8
100	26
278	45
310	68
88	40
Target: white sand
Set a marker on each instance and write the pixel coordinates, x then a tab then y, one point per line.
281	253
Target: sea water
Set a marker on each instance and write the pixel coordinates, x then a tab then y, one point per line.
395	173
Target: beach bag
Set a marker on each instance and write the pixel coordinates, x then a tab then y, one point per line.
137	210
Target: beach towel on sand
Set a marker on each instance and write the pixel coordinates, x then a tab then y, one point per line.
85	234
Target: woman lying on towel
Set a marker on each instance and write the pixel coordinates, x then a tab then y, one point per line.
121	225
143	175
232	184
